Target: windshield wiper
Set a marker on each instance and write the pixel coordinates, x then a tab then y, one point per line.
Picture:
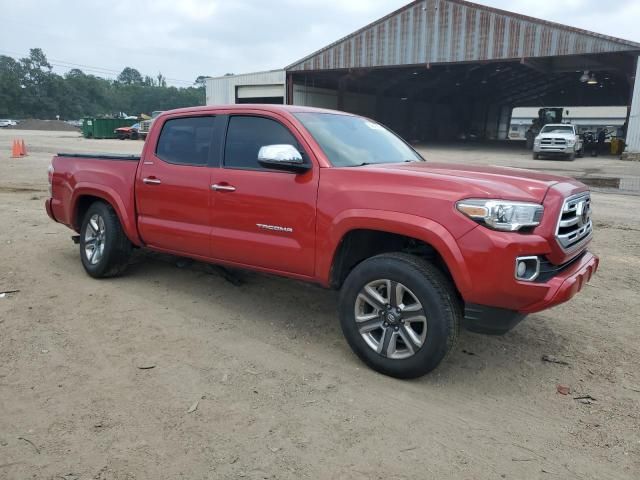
380	163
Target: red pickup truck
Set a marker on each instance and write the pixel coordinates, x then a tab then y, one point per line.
416	248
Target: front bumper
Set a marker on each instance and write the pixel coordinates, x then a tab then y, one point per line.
489	258
553	150
567	284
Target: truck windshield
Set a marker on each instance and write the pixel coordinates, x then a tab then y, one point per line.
557	129
350	141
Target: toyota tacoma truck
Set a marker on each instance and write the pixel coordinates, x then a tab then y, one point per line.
558	139
416	249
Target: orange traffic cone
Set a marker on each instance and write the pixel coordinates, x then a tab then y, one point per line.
23	149
15	149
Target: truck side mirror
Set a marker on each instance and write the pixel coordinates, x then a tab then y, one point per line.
282	157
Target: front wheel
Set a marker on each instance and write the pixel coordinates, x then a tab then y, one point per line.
104	248
399	314
571	157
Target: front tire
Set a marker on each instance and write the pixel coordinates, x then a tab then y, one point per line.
104	248
399	314
571	157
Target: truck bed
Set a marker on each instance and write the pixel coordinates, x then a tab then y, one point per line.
80	178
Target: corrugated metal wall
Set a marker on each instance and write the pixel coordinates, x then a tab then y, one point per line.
222	90
633	129
434	31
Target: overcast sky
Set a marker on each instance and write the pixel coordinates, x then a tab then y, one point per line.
186	38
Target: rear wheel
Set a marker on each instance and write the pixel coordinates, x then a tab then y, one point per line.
104	248
399	314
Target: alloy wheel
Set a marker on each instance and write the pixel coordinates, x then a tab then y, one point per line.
390	319
94	239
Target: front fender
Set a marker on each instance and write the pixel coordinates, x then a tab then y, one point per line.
408	225
124	209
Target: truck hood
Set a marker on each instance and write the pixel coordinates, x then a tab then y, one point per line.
556	135
488	182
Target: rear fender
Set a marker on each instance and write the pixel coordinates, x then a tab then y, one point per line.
408	225
126	215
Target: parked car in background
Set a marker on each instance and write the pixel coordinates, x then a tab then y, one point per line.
416	248
131	132
5	122
558	139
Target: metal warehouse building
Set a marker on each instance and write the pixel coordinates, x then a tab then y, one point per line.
438	68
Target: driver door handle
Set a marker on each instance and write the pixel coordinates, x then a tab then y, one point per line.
223	188
151	181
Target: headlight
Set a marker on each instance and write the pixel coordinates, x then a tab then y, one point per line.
502	214
536	141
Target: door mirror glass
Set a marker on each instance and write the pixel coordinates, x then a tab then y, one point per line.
282	157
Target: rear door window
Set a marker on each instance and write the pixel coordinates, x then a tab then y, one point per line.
186	141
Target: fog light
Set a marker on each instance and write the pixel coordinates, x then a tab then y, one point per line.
527	268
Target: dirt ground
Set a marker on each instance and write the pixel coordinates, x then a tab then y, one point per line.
257	382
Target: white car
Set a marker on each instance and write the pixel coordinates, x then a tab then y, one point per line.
558	139
7	123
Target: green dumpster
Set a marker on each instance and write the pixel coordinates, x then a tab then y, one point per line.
87	127
103	127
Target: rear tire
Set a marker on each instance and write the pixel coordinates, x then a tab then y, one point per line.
104	248
415	320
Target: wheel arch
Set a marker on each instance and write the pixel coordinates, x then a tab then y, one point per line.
359	235
84	196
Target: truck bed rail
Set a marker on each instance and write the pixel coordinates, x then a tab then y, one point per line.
102	156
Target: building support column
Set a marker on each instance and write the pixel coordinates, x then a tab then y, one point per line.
632	151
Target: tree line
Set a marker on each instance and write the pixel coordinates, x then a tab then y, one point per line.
30	89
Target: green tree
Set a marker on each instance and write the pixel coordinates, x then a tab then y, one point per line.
10	86
201	81
29	88
130	76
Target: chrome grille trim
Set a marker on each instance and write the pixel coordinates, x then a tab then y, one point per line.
553	141
144	126
574	223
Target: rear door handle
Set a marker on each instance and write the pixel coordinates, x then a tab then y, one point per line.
223	188
151	181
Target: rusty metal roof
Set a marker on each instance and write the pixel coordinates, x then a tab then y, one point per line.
449	31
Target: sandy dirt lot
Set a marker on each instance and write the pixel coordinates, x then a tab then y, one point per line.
257	382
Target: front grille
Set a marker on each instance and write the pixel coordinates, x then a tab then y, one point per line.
553	141
574	224
144	126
